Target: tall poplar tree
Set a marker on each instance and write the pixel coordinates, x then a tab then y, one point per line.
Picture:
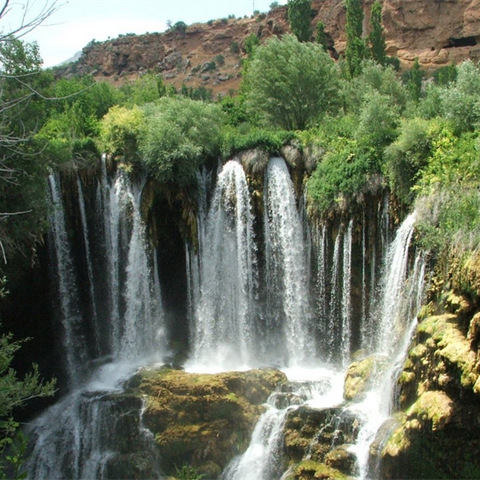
299	18
377	36
356	50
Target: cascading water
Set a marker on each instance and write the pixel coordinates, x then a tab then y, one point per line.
251	302
264	460
91	430
399	295
74	344
346	295
288	309
261	461
88	258
224	317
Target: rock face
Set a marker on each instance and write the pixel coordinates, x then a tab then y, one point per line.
362	375
438	32
439	431
202	420
317	442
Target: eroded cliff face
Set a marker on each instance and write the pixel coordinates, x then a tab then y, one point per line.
438	32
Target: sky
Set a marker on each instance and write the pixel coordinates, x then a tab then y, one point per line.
76	22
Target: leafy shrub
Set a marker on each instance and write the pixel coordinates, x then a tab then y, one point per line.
378	120
250	43
120	129
179	135
343	173
272	141
219	60
373	77
187	472
407	155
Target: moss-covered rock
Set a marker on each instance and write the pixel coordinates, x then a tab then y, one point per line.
322	436
438	432
311	470
202	420
362	375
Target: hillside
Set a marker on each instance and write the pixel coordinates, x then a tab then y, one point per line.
209	55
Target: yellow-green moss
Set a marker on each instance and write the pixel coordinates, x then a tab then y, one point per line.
432	409
362	375
308	469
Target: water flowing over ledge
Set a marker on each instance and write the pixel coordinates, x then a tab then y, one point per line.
264	288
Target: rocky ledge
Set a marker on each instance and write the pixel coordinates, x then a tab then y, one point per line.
202	420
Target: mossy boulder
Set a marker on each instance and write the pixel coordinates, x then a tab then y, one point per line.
362	375
322	435
202	420
311	470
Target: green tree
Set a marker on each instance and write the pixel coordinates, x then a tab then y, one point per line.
251	43
413	80
461	100
321	36
290	84
119	131
178	136
145	89
356	50
373	77
300	18
377	36
180	28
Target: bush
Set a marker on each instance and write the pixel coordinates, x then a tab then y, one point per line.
343	173
271	141
119	131
251	42
406	156
179	135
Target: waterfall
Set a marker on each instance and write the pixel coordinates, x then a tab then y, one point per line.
393	281
334	299
88	258
74	343
264	459
400	301
346	295
88	433
320	242
224	317
288	302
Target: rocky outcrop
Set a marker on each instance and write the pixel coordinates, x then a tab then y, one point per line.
438	32
438	435
361	376
317	441
202	420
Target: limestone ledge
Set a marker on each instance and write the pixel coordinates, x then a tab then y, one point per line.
202	420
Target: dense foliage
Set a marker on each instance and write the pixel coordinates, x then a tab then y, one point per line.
300	17
290	84
179	135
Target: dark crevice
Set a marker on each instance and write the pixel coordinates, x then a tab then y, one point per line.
461	42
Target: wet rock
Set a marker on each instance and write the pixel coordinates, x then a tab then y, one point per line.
203	420
342	459
361	376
